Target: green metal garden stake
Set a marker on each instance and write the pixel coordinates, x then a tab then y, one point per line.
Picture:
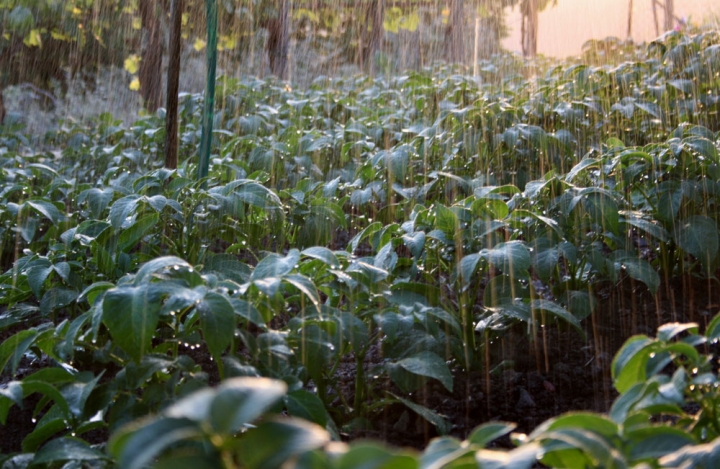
209	107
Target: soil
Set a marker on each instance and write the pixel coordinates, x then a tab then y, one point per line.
557	372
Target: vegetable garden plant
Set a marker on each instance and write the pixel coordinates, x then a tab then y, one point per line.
417	218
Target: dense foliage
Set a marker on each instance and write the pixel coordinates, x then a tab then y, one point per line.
414	215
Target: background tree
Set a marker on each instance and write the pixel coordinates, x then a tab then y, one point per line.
455	33
150	72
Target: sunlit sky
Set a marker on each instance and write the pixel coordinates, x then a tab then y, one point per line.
565	27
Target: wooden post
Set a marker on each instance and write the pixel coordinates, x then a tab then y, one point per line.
630	14
173	86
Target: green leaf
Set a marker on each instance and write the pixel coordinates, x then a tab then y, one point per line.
305	285
274	265
557	310
415	242
131	314
668	331
67	449
13	348
36	276
523	457
503	289
442	425
306	405
488	432
217	322
323	254
137	446
704	147
657	441
122	209
512	258
629	364
47	209
97	200
466	268
275	442
363	455
240	401
151	268
133	233
698	236
446	220
640	270
430	365
713	329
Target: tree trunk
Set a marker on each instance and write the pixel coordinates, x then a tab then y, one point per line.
530	28
150	73
279	40
173	86
655	17
669	15
374	16
455	33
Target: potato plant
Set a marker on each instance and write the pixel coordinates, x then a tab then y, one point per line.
413	218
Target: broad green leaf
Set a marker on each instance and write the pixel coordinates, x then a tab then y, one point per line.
504	289
523	457
446	220
67	449
668	331
466	268
274	265
150	268
442	425
415	242
133	233
512	258
97	200
558	311
46	209
629	364
698	236
217	322
323	254
305	285
131	314
275	442
239	401
122	208
430	365
487	432
705	455
137	447
657	441
13	348
306	405
704	147
640	270
374	455
36	276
